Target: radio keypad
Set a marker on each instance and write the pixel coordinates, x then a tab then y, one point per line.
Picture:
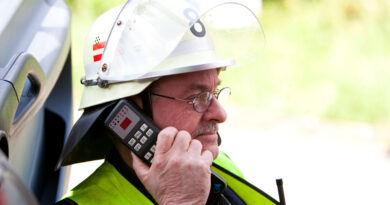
140	138
134	129
153	149
132	142
143	127
148	155
149	132
137	134
137	147
143	139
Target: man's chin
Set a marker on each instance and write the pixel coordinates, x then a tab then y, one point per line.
210	143
213	149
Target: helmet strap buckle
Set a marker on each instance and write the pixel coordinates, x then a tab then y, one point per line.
99	82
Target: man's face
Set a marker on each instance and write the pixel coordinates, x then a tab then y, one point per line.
181	115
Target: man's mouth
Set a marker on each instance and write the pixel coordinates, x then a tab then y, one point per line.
206	129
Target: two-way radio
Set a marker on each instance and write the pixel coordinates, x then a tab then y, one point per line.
139	134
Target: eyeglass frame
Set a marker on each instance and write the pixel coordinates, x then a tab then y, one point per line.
193	100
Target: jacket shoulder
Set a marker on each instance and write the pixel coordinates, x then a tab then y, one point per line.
224	161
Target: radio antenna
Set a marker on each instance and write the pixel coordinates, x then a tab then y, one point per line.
279	183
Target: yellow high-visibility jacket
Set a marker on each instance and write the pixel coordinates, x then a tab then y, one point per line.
107	186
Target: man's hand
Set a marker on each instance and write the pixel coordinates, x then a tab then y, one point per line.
180	172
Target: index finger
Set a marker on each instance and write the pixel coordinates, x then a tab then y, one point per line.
207	157
165	139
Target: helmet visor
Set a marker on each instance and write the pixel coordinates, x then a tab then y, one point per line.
153	38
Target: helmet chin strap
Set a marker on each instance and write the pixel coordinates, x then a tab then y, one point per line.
219	139
147	103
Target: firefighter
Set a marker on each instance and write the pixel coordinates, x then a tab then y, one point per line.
161	57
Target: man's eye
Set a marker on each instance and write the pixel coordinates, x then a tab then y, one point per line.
203	97
191	97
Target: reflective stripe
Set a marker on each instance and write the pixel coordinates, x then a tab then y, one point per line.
247	192
224	161
250	194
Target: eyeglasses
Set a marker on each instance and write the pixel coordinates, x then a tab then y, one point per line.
202	101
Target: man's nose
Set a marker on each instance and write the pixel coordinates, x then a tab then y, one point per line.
215	112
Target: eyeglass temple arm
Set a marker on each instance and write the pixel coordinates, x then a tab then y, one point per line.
173	98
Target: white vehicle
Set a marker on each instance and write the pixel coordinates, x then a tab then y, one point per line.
35	99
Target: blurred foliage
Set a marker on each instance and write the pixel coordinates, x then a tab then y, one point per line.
329	58
324	58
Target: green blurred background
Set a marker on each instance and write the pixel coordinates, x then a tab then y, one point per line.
326	58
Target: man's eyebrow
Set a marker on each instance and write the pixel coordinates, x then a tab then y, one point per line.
202	87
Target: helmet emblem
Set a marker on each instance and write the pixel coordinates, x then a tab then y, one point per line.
98	47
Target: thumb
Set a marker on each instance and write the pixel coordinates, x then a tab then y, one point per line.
140	168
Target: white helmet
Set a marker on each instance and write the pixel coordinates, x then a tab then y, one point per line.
130	46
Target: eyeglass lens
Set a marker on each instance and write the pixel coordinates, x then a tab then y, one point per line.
203	100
